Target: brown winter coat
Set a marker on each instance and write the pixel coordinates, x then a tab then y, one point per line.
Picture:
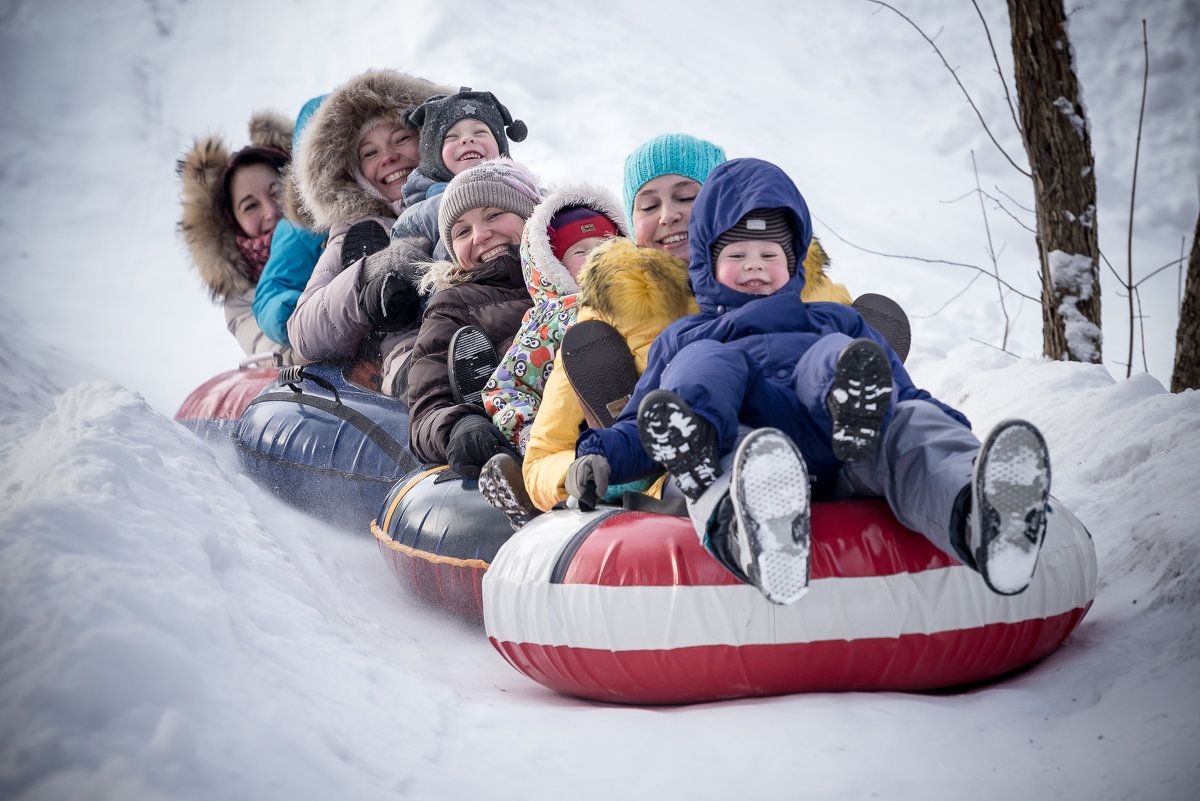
492	296
210	240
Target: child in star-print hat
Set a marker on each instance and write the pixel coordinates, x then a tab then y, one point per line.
458	132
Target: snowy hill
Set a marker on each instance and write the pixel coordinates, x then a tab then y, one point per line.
170	632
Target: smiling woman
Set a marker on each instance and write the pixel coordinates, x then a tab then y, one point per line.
230	205
483	213
352	163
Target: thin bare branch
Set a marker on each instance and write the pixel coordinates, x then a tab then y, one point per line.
925	260
1012	216
1142	331
958	199
991	253
1014	201
1137	151
1179	281
1153	273
999	70
953	298
1113	270
953	72
993	347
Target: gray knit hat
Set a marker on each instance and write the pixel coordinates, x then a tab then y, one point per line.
499	183
771	225
440	113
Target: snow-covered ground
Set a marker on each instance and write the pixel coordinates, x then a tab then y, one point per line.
168	631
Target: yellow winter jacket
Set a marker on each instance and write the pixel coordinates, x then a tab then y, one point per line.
639	292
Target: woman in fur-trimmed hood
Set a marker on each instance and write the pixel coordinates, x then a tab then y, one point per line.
353	155
514	392
639	292
229	258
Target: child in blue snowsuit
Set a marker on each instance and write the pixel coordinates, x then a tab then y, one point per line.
827	403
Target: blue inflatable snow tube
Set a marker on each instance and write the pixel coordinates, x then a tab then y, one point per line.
327	446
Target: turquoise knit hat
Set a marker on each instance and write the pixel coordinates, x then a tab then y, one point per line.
668	154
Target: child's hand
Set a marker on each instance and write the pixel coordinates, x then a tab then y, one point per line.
587	480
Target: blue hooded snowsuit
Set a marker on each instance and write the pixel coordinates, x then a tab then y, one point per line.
761	360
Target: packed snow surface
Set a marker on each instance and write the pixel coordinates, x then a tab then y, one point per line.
167	631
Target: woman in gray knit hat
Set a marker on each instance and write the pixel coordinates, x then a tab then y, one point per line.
481	219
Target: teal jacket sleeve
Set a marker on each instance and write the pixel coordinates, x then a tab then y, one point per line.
294	253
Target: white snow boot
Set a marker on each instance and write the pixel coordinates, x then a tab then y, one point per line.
1010	489
769	535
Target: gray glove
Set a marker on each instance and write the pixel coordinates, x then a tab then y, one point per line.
587	480
401	256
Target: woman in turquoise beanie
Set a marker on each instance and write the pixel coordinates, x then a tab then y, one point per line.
294	252
662	178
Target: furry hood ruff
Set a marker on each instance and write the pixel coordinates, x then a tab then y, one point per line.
544	272
326	162
629	285
209	238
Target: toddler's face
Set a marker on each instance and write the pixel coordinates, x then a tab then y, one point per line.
466	144
661	210
577	254
386	156
753	266
255	191
480	235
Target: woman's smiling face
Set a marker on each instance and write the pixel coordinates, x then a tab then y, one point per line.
386	156
480	235
661	210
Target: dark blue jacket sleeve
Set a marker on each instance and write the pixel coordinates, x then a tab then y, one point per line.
294	253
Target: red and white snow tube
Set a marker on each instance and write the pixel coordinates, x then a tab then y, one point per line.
629	607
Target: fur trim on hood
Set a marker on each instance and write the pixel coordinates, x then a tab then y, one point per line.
544	272
630	285
327	156
210	241
439	275
815	265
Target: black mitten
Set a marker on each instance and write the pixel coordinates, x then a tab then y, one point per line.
363	239
390	302
474	440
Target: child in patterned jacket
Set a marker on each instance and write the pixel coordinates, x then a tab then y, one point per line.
564	228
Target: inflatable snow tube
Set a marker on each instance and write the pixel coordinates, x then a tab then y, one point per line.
325	445
438	535
213	409
628	607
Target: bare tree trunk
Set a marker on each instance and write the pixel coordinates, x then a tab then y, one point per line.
1059	146
1187	336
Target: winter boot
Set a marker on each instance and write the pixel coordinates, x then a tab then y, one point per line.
1010	489
680	440
888	318
362	239
765	541
858	400
502	486
472	360
601	370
